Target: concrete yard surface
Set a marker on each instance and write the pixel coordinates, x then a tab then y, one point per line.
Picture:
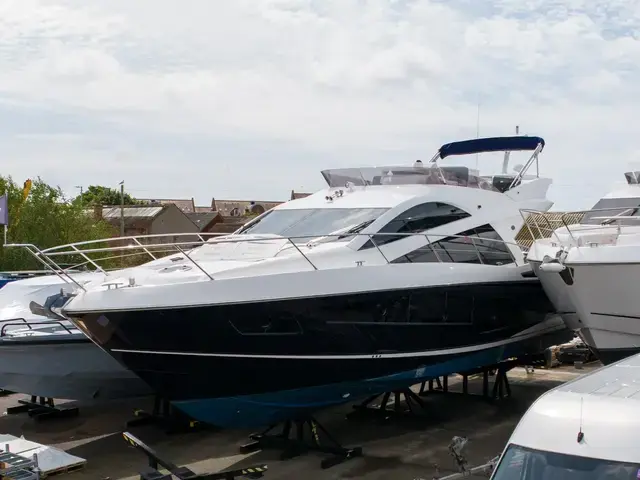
399	448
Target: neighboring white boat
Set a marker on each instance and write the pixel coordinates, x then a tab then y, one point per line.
583	429
44	354
49	359
388	276
590	270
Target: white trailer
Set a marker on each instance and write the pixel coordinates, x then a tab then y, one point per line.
587	429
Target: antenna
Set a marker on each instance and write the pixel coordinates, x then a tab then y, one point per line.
477	127
580	433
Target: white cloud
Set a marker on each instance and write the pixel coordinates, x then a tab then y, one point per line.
300	85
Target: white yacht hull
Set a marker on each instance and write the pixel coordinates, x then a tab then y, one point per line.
65	367
607	301
558	292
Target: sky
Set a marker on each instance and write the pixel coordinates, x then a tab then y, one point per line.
249	99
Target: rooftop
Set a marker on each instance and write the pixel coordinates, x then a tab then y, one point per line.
620	380
601	404
202	219
131	212
186	205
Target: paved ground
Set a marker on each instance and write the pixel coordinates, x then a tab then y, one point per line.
406	448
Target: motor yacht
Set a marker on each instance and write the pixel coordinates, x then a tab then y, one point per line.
386	277
587	269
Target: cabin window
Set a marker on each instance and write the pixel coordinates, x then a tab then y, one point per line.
442	306
614	207
303	225
477	245
417	219
433	305
266	325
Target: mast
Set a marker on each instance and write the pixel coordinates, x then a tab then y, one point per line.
505	162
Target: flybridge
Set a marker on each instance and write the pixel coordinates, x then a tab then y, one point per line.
435	174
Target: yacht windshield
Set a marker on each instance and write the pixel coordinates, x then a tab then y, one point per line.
309	223
399	175
627	209
520	463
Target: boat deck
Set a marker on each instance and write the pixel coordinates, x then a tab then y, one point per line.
392	449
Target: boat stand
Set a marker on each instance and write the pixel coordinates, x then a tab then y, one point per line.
42	408
184	473
165	416
413	402
501	388
409	408
294	447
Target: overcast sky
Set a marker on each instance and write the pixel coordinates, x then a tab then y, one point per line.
249	99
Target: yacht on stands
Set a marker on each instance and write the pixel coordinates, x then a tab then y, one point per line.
590	268
388	276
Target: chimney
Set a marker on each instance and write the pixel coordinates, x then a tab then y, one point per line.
97	212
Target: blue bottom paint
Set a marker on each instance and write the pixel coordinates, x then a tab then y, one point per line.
268	408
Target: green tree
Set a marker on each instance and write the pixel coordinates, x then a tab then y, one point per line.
45	219
99	195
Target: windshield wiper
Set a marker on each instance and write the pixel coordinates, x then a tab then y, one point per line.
357	229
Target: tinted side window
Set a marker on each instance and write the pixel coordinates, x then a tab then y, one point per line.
276	325
417	219
477	245
623	207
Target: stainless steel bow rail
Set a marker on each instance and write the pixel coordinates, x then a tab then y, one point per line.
184	473
150	246
130	246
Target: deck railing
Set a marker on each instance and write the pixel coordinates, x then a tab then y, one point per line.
139	245
543	225
28	325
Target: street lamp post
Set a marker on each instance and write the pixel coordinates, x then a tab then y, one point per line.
81	198
122	208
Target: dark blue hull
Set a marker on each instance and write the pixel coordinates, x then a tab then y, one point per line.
255	363
249	411
268	408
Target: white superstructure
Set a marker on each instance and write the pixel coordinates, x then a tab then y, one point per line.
452	225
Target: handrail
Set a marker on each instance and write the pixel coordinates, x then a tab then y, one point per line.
26	272
567	223
45	256
29	324
527	165
14	320
46	261
200	236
